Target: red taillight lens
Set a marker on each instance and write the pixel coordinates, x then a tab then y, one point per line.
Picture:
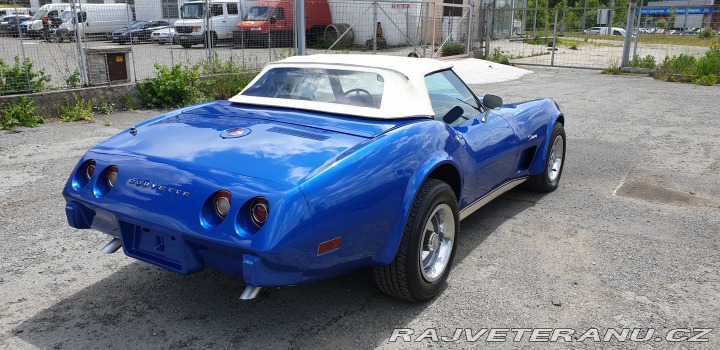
259	211
89	169
223	199
112	175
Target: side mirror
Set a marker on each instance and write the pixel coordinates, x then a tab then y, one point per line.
273	20
453	114
492	101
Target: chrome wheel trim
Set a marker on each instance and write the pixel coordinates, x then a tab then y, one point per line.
437	242
555	159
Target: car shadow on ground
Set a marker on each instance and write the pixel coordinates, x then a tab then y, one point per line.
144	306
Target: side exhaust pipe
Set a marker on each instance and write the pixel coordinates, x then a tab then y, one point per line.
112	247
250	292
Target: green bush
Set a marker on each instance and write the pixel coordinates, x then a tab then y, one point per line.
171	87
80	110
644	62
677	68
452	49
707	33
104	108
614	69
707	80
182	86
21	77
225	79
23	112
499	56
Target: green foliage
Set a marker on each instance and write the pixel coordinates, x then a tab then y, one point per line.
181	85
499	56
644	62
108	122
21	77
707	33
126	102
452	49
104	108
707	80
661	23
536	40
281	54
73	80
23	112
677	68
573	46
686	68
80	110
225	78
171	87
614	69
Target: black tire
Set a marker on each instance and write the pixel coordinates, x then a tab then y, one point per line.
211	37
405	278
186	46
549	180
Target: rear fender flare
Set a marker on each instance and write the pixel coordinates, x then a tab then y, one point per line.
414	184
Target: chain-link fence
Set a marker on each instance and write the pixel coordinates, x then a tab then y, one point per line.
64	45
583	37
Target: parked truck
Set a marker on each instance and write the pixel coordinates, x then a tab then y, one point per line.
199	24
44	19
93	19
271	23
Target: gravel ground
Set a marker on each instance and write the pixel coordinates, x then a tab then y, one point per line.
631	239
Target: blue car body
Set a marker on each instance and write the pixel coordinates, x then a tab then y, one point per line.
326	176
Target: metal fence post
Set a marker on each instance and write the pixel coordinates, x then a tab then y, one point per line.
79	44
22	52
488	29
637	36
374	26
554	47
469	30
628	35
300	27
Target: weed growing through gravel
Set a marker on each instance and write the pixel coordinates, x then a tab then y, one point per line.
80	110
21	113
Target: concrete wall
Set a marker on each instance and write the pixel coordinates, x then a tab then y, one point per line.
50	102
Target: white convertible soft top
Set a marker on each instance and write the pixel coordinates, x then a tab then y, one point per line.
405	94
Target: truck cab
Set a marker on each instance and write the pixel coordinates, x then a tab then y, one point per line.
271	22
204	22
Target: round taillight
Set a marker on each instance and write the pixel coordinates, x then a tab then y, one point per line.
223	199
259	210
112	175
89	169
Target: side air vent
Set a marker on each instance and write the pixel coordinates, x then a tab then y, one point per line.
298	133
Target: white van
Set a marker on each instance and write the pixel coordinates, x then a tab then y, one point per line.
4	11
34	27
95	19
224	15
604	30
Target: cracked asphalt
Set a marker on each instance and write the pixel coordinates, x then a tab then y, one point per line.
630	240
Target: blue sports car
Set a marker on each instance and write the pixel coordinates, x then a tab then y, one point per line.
322	165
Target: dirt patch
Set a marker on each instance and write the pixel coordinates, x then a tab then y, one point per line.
655	188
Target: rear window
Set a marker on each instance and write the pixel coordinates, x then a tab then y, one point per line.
348	87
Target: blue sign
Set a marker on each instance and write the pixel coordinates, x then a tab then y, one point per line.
679	10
